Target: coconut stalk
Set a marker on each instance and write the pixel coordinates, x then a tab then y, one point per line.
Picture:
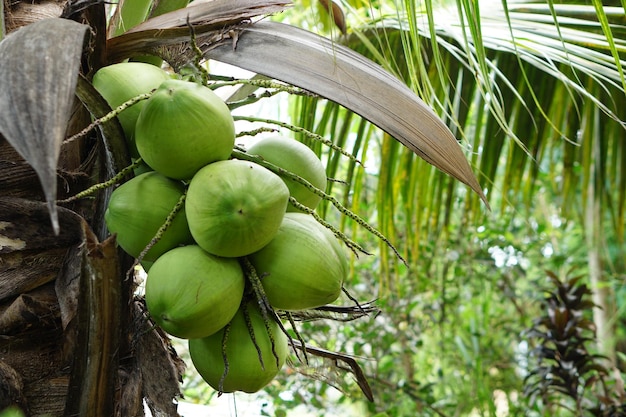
94	372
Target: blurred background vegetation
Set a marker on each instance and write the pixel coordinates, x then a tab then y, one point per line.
494	313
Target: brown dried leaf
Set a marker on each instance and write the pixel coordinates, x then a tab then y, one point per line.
130	404
30	254
38	71
67	285
94	370
336	12
24	227
341	362
171	28
160	366
38	308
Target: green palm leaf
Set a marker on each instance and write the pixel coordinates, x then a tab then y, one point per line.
533	90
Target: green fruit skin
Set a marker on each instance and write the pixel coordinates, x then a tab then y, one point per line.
296	158
119	83
193	294
235	207
183	127
303	267
244	368
139	207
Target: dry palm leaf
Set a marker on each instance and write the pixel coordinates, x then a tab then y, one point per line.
172	28
38	72
337	362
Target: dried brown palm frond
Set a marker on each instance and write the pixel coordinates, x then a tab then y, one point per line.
336	313
332	366
209	21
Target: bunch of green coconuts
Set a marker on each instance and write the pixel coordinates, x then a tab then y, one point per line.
234	217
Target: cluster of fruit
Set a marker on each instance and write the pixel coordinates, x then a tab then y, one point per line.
234	223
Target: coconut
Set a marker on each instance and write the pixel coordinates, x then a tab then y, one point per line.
235	207
139	207
183	127
119	83
297	158
245	371
303	267
191	293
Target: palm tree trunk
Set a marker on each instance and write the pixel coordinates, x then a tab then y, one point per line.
32	339
66	346
605	311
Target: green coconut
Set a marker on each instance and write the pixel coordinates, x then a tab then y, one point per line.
303	267
119	83
235	207
245	371
139	207
191	293
183	127
296	158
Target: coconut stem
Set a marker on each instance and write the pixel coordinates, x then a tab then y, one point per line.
354	300
113	113
264	305
257	287
220	385
298	336
307	133
198	55
290	175
354	247
246	316
114	180
262	83
270	334
256	131
252	98
166	224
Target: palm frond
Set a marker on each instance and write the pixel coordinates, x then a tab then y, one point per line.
515	81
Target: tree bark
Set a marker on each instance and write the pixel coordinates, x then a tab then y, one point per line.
605	311
44	311
32	339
